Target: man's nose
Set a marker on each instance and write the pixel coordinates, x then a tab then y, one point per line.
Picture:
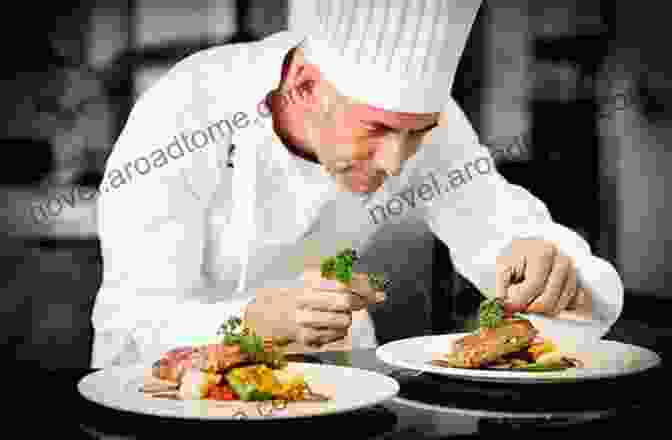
390	157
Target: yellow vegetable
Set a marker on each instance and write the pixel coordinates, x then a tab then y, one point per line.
290	386
280	384
540	348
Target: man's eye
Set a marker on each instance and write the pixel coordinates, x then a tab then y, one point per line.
424	130
379	128
341	167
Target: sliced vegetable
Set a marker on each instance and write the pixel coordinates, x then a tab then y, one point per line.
290	386
221	392
540	348
252	382
249	391
540	367
258	382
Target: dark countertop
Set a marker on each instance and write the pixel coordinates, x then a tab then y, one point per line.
426	407
49	336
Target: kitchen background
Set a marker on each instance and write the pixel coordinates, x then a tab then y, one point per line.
582	87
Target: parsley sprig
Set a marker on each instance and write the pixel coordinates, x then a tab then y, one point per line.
378	281
491	313
339	267
233	334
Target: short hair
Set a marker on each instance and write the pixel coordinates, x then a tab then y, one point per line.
287	61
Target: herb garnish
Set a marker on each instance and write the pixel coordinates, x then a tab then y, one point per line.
233	334
378	281
339	267
491	313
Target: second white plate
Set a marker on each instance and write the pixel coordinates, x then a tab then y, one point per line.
604	359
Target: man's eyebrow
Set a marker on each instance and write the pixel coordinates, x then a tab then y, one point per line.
387	127
430	126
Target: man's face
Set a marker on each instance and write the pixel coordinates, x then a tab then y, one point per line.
360	145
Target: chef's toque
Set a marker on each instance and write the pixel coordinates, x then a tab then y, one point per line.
398	55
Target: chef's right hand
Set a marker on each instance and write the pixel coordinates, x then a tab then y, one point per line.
316	314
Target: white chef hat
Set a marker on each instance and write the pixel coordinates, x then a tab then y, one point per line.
398	55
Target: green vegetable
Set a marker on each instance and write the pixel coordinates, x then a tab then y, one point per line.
340	266
249	342
540	367
328	267
246	391
232	334
490	313
378	281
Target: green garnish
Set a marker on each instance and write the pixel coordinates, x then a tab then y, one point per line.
490	313
540	367
328	267
232	334
378	281
246	391
340	266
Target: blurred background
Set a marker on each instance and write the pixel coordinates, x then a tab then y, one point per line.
582	87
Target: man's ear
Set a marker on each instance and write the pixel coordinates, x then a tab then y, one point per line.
307	87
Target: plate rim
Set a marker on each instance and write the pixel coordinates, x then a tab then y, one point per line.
136	369
518	377
497	414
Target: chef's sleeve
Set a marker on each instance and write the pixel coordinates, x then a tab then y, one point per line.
478	213
152	230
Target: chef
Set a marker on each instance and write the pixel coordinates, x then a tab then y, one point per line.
246	164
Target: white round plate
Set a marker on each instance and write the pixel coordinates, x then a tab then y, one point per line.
350	389
603	359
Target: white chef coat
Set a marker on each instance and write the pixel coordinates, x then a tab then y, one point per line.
186	240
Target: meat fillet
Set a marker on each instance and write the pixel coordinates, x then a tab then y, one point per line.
212	357
489	344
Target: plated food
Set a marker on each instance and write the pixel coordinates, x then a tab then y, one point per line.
505	341
509	348
242	367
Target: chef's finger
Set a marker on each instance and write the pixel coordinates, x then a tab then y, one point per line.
361	286
504	271
537	270
329	301
582	302
318	337
579	308
547	300
320	319
568	293
313	277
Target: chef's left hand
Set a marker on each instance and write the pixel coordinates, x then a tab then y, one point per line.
533	275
